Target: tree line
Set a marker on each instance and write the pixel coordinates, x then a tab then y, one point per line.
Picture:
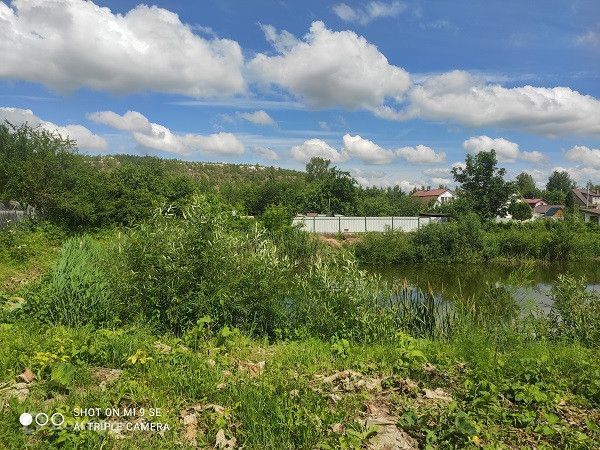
45	170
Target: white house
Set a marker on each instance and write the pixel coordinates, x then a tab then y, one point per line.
434	196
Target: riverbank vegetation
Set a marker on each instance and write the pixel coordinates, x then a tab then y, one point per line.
469	240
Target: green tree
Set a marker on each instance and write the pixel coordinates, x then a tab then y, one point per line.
526	186
43	169
330	190
317	169
483	186
554	197
560	181
520	211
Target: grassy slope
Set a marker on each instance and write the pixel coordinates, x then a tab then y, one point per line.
534	395
26	254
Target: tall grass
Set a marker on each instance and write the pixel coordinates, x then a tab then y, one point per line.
78	290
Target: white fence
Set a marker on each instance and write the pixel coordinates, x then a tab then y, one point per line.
343	224
10	216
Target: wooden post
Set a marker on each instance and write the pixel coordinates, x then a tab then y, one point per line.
365	224
392	223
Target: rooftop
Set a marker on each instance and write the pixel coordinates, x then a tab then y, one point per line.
430	193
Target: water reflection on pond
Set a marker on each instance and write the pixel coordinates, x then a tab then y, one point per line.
528	282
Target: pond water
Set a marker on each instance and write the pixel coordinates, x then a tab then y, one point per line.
528	282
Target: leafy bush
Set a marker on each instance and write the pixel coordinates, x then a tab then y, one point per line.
335	298
520	211
453	241
467	239
390	247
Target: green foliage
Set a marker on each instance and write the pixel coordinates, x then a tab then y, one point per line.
483	186
554	197
520	211
209	278
332	190
276	218
453	241
390	247
526	186
137	190
468	240
575	313
560	181
387	202
42	169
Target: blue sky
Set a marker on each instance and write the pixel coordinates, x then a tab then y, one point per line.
394	91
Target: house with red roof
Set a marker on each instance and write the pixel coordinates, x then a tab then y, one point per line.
434	196
534	202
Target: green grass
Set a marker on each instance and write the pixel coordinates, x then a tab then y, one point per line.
528	394
26	252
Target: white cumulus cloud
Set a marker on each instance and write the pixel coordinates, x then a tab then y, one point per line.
421	154
265	152
371	11
365	150
506	151
330	69
460	97
130	121
581	174
158	137
84	137
316	148
257	117
584	155
68	44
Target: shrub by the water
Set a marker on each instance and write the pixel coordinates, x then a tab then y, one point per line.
468	240
575	314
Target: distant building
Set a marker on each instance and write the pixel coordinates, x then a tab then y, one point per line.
549	212
591	214
586	198
435	196
534	202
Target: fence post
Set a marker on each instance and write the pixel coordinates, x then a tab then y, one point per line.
392	223
418	222
365	224
339	224
314	224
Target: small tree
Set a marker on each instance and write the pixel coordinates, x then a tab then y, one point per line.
482	185
520	211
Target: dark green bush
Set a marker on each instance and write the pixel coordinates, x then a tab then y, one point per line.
390	247
459	240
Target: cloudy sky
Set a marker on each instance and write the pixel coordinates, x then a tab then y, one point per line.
397	92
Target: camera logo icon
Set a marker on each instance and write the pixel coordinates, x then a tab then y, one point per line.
41	419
